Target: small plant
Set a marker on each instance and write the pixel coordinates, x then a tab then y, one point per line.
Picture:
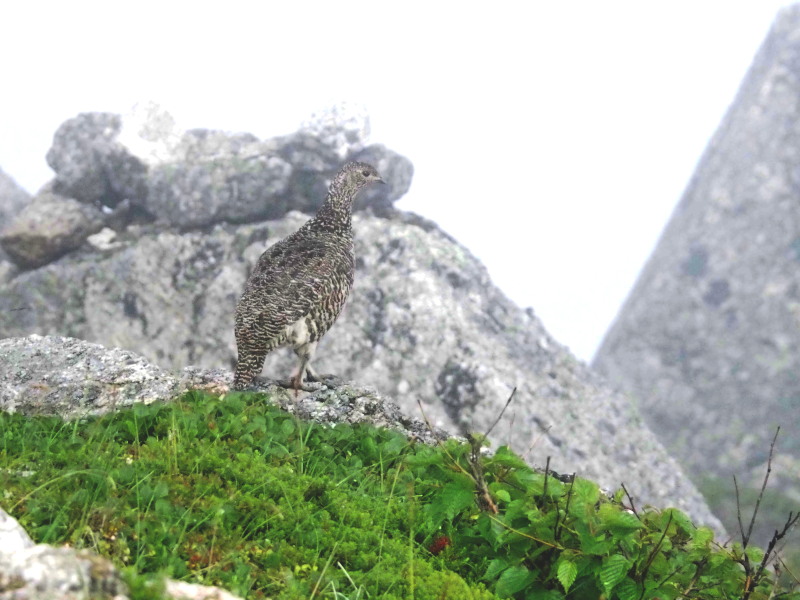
233	492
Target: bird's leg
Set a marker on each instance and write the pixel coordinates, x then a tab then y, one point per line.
297	381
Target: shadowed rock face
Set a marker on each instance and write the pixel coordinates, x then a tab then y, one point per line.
709	340
424	321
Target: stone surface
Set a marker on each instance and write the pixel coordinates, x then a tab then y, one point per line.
41	572
708	341
47	228
69	377
424	321
12	198
197	178
90	163
49	375
242	183
33	572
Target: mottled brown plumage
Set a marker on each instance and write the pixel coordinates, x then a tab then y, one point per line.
299	285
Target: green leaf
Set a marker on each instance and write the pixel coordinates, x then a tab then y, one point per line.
680	519
454	497
585	491
622	523
503	495
505	457
628	590
513	580
567	572
613	570
496	566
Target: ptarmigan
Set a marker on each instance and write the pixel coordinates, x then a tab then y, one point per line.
299	285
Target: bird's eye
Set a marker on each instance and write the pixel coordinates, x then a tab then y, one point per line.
365	173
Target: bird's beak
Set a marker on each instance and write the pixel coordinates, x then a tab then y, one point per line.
379	180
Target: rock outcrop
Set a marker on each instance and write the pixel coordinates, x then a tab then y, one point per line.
47	228
30	571
708	341
71	378
12	200
424	320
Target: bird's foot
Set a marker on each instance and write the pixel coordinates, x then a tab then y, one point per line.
294	384
328	379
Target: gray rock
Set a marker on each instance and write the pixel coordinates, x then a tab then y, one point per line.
47	228
90	163
708	342
424	321
197	178
48	375
43	572
30	571
69	377
240	184
13	538
12	198
326	140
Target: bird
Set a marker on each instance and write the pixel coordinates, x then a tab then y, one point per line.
300	284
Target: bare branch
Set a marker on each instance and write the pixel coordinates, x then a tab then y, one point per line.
630	499
763	487
500	416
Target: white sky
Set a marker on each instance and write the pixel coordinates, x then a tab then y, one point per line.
552	139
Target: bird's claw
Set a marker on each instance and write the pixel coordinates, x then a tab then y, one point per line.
293	384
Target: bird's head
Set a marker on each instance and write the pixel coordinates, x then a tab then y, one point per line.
355	175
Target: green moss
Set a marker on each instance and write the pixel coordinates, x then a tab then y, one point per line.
235	493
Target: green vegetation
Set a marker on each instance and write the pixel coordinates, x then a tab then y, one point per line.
233	492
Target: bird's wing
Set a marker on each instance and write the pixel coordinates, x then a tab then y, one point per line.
290	279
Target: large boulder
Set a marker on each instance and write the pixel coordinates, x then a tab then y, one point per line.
29	570
424	322
47	228
197	178
12	198
71	378
90	163
708	342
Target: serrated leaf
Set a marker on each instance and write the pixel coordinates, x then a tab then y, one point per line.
453	498
682	520
506	458
628	590
513	580
702	537
623	523
585	491
613	570
567	572
496	566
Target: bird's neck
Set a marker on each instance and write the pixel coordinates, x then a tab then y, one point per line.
336	212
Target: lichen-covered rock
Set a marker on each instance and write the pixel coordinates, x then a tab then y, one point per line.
196	178
424	321
248	185
708	342
47	228
42	572
69	377
48	375
12	198
31	572
90	163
